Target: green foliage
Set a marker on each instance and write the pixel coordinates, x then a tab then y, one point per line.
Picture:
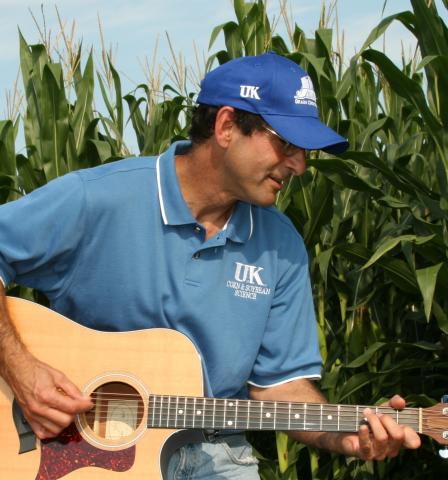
375	224
375	220
62	135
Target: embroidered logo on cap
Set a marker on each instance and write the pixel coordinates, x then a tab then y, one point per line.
249	91
306	95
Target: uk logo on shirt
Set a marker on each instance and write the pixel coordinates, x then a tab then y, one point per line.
248	282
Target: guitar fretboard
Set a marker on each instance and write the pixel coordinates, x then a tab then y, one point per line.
231	414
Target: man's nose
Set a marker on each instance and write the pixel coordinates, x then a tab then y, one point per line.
296	162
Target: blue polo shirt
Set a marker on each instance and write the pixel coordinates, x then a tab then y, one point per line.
116	248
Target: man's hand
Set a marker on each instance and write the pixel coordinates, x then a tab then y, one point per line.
383	439
48	399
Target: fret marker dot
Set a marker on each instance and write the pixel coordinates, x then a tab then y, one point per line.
181	412
296	415
330	417
231	404
230	422
268	415
198	412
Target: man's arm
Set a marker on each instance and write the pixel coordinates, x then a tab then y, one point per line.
48	399
384	439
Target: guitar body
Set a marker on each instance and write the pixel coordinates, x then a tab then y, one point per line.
147	390
142	362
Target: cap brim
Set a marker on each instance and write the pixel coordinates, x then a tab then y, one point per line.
308	133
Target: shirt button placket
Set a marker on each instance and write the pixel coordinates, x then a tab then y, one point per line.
194	268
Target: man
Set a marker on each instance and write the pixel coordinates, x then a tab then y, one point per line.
189	241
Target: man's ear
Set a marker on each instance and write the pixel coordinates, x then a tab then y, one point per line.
224	125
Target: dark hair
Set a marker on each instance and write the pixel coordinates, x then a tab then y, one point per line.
204	117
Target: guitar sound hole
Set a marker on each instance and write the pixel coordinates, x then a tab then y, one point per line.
118	411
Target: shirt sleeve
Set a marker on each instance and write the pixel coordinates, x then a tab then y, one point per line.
40	234
290	348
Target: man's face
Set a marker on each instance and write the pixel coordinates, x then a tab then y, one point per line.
257	166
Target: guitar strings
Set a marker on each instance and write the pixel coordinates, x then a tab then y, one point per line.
312	419
223	405
283	411
241	404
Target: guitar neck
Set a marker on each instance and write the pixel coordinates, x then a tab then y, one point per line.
212	413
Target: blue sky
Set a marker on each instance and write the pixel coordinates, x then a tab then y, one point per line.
132	28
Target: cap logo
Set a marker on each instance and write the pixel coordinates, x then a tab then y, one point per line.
249	91
306	95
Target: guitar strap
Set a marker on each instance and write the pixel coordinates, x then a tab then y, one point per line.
27	438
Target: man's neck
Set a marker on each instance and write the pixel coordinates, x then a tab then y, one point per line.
199	181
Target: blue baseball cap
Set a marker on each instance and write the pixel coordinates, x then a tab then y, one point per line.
278	90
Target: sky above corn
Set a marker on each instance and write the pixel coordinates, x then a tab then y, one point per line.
133	28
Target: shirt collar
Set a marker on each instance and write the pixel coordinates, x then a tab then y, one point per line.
175	211
240	226
173	208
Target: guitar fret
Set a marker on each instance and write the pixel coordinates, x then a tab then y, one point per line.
304	415
224	418
275	415
289	416
295	416
228	422
261	415
156	407
165	422
188	412
216	416
252	423
203	411
321	417
328	417
235	422
171	420
164	409
177	410
420	420
249	403
159	410
193	413
169	410
349	424
153	410
339	418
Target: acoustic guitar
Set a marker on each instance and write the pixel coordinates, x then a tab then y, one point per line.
147	388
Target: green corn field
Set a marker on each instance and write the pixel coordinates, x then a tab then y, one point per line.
374	220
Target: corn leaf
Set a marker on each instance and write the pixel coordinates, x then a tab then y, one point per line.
426	279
